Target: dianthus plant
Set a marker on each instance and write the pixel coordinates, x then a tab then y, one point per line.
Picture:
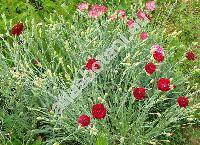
132	93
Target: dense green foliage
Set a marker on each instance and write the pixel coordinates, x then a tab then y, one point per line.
57	35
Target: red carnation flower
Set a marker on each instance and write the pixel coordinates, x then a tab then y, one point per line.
190	55
92	64
139	93
17	29
163	84
159	57
183	101
84	120
98	111
150	68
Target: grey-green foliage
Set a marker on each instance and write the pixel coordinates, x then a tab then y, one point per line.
62	49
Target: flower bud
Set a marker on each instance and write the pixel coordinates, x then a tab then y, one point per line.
152	81
130	89
53	121
165	140
73	28
190	119
121	140
101	100
106	95
56	129
153	143
39	118
168	134
93	131
159	115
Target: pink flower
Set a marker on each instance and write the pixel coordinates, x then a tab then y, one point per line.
96	11
121	14
94	14
99	8
83	6
151	5
112	18
158	53
143	36
140	15
102	9
130	23
157	48
94	7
